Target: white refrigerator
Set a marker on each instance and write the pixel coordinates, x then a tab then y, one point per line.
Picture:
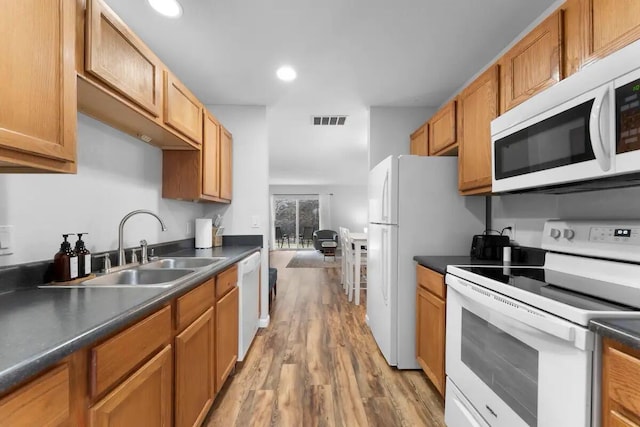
414	209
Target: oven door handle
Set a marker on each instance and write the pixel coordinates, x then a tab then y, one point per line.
600	148
511	308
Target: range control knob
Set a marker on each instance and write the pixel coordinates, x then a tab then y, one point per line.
568	233
555	233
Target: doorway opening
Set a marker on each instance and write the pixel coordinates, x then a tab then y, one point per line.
295	218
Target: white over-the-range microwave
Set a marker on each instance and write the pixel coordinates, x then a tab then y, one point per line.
581	134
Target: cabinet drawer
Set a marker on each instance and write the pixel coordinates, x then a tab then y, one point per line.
431	281
226	281
194	303
43	401
119	355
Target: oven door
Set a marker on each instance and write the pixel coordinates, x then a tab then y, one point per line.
573	141
516	365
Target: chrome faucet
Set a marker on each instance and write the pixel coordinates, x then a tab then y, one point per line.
121	255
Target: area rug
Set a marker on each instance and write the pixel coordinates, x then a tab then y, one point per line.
314	259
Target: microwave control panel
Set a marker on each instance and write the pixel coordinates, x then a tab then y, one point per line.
628	117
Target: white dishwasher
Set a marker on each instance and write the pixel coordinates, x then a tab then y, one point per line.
249	311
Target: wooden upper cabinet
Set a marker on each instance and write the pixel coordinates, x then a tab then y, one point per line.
533	64
200	175
611	25
38	90
182	110
442	130
226	164
117	57
419	141
144	399
477	106
211	157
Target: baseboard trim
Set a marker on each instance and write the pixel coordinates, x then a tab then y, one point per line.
264	322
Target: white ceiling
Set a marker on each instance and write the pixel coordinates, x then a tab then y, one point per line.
349	55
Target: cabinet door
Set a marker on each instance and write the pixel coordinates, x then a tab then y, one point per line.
195	377
442	129
116	56
182	110
419	144
611	25
226	163
38	90
211	157
430	337
533	64
226	336
616	419
42	402
477	106
144	399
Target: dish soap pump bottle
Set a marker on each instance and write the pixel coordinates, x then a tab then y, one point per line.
65	262
84	257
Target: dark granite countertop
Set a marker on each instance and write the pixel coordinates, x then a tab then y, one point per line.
439	263
41	326
626	331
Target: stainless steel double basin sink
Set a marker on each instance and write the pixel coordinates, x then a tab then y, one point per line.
162	273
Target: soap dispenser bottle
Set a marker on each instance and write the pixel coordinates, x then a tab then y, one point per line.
65	262
84	257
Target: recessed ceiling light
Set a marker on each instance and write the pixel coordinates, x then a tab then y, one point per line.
170	8
286	73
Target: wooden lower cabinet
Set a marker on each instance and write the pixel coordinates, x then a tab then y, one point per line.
620	385
430	332
144	399
43	401
163	370
226	336
195	376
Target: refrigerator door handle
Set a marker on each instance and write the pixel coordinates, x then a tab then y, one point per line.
385	266
385	191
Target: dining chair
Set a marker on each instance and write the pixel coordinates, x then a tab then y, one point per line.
281	237
306	236
347	260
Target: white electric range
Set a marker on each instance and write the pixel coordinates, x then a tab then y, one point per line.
518	348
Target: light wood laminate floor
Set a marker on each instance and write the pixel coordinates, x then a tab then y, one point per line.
317	364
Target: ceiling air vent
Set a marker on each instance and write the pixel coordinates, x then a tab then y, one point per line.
328	120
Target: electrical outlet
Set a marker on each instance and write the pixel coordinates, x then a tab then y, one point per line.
188	228
509	232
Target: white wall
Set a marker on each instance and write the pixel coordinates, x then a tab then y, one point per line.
349	203
116	174
250	197
529	211
390	128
